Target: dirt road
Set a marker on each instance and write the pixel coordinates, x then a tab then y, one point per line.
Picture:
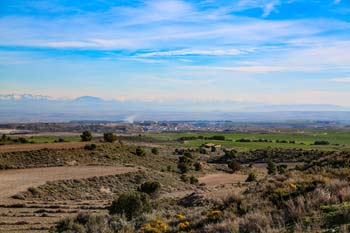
18	180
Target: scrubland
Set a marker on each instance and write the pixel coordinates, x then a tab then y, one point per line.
173	185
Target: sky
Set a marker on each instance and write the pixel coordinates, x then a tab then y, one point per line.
260	51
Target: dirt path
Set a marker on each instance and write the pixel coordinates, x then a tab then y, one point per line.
39	146
18	180
217	179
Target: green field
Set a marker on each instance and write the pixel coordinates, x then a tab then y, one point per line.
303	139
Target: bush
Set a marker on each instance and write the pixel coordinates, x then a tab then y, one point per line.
282	168
214	216
155	151
140	152
22	140
86	136
321	143
131	205
151	188
184	164
251	177
194	180
198	166
90	147
154	226
109	137
234	165
185	178
271	167
201	150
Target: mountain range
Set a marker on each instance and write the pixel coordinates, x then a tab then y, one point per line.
29	108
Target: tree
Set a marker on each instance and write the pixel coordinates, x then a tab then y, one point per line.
86	136
234	165
131	205
271	167
140	152
109	137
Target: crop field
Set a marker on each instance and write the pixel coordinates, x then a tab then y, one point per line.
301	139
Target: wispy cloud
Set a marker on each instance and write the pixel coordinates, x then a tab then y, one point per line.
185	52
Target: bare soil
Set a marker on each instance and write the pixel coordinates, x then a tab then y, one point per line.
40	146
18	180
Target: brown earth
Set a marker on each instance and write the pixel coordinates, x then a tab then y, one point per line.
18	180
40	146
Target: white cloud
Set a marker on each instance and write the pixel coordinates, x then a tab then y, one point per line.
184	52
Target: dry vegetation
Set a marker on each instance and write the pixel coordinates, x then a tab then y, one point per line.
173	189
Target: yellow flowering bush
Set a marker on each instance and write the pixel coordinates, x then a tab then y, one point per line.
293	186
181	217
184	226
154	226
214	216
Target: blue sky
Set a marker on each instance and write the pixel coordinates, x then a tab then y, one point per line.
267	51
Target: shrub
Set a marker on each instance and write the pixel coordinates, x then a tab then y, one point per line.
251	177
90	147
214	216
194	180
271	167
281	168
109	137
140	152
130	205
198	166
154	226
151	188
83	223
321	143
22	140
184	226
185	178
155	151
86	136
184	164
234	165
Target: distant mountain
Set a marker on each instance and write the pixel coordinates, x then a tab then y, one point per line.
88	99
27	107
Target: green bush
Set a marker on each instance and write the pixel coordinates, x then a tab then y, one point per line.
234	165
271	167
194	180
155	151
131	205
90	147
321	143
86	136
140	152
109	137
198	166
184	164
251	177
151	188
